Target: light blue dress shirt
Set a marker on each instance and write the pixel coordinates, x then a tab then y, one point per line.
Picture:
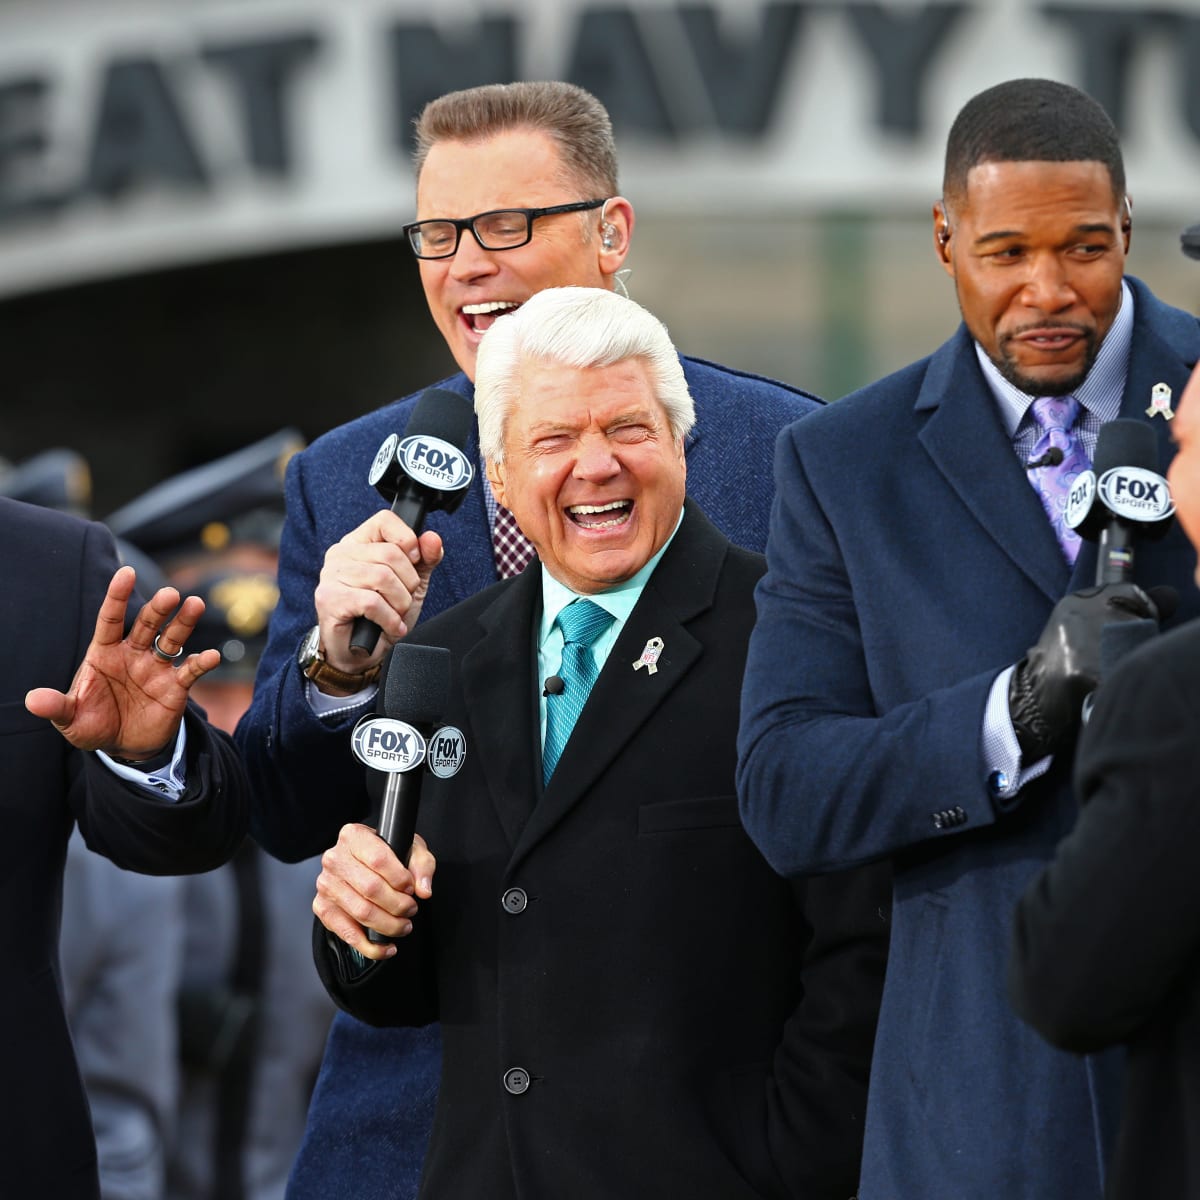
619	601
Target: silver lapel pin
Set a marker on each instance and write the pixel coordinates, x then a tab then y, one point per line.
650	652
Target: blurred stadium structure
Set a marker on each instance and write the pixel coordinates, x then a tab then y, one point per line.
200	200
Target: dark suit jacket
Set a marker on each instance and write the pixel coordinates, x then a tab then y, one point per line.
1107	941
56	571
909	563
307	783
692	1024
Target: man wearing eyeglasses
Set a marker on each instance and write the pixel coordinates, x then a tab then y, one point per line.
516	192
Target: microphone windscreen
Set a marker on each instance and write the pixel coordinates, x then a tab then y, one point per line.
1125	443
417	686
1189	239
442	414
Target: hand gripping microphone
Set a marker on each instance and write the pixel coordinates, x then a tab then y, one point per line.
1122	499
426	470
397	742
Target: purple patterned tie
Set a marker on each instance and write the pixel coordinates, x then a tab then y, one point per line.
1056	417
512	549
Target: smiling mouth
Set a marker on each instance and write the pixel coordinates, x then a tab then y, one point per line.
601	516
481	317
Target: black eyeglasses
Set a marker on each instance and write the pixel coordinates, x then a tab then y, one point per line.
500	229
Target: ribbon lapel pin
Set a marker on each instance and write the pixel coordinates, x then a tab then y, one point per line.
1160	402
649	659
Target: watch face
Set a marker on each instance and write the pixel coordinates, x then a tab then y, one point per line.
310	647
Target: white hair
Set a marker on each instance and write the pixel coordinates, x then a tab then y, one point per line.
574	327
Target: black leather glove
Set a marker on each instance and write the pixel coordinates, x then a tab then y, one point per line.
1048	687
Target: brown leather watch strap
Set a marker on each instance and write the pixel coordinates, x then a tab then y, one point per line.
321	672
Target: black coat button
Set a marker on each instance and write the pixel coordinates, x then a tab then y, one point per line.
514	901
516	1081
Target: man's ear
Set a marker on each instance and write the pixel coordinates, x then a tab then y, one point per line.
616	233
495	473
942	234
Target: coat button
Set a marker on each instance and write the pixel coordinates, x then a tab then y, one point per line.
514	901
516	1081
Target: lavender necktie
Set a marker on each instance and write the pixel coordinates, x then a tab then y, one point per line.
1056	416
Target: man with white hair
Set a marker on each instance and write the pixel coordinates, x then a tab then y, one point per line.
632	1002
517	191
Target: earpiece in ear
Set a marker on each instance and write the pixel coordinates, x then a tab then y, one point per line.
608	235
943	234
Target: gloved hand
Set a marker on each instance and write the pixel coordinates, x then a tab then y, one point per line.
1048	687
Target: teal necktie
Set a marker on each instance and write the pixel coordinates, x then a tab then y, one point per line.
581	622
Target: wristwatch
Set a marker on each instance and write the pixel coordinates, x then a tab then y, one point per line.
312	664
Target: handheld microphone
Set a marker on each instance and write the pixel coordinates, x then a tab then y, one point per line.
1123	498
396	742
553	686
1189	239
1051	458
426	470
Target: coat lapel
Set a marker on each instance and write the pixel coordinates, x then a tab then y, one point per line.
970	447
500	693
1164	350
1157	357
623	699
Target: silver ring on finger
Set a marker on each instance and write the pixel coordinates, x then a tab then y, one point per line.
160	653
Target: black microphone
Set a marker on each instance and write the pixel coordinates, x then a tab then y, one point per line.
553	686
1051	458
395	742
1122	499
1189	239
426	470
415	692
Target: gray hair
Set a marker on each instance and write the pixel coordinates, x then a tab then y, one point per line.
574	327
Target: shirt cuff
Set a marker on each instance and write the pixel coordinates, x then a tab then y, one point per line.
332	706
167	782
1006	774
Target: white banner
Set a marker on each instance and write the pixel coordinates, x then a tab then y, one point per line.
150	133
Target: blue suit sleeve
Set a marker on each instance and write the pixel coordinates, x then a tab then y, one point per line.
299	764
829	774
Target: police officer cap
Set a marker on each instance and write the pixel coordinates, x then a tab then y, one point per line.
235	498
238	602
56	478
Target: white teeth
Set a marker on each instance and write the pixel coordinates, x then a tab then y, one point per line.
586	509
489	306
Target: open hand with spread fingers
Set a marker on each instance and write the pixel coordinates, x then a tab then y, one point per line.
129	694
